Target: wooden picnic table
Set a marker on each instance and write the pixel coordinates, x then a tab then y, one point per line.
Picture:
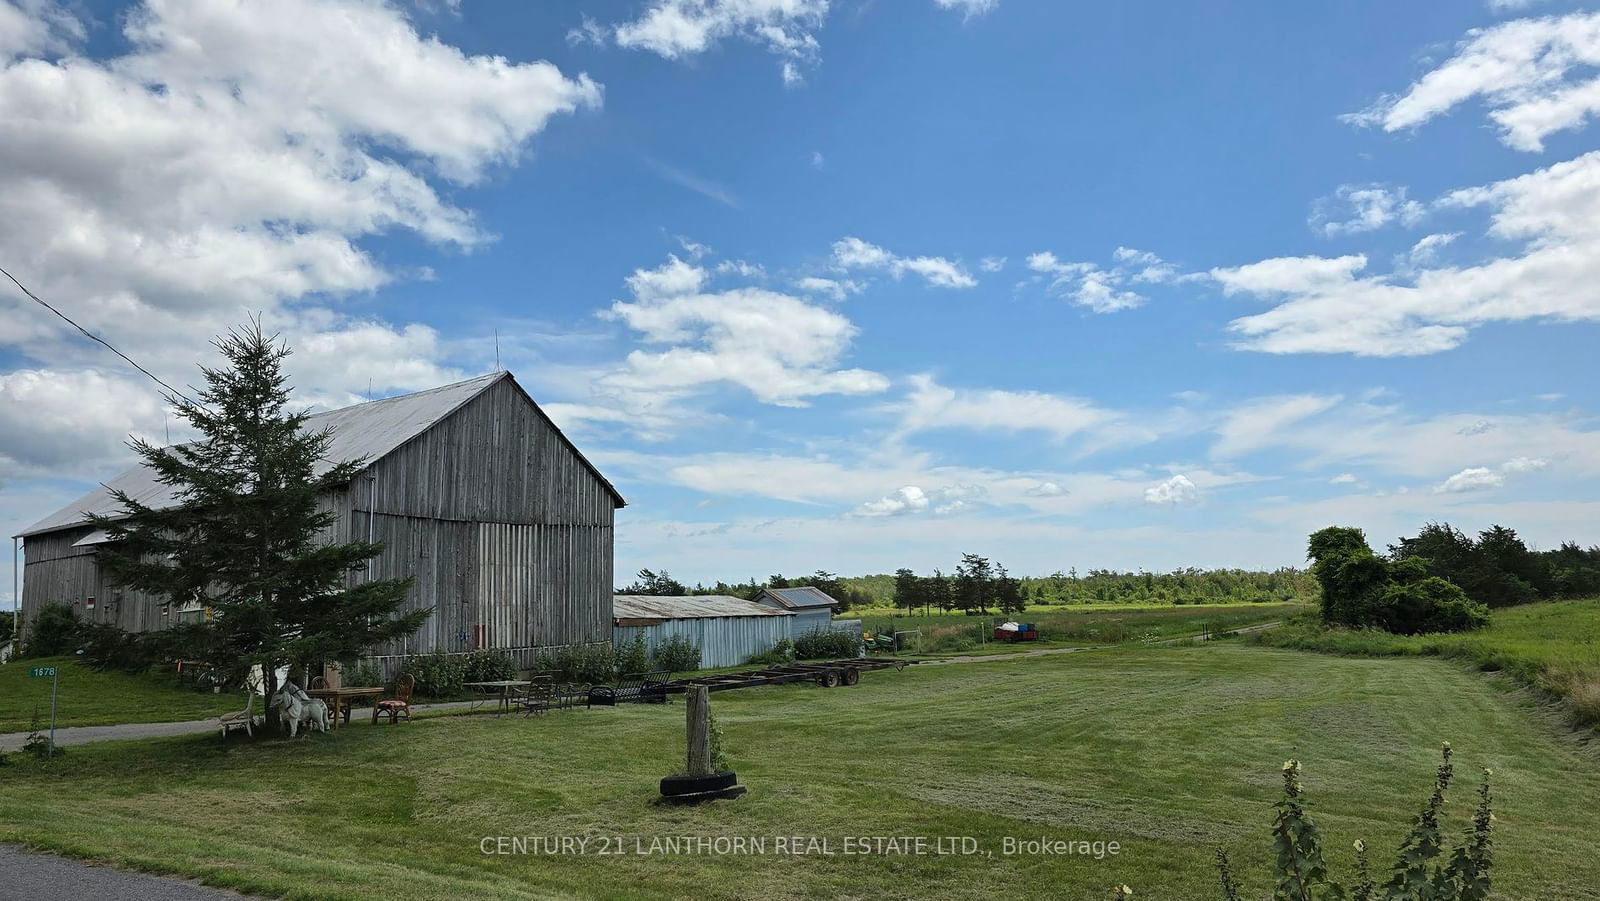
343	698
501	688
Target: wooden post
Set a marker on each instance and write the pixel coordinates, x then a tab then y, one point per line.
699	729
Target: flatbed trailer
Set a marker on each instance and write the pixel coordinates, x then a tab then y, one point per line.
827	674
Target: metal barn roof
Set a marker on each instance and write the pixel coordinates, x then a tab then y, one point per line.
371	430
801	598
702	606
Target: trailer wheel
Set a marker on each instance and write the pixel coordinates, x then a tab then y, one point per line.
851	676
829	679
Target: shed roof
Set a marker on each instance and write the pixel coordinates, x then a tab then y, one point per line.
702	606
801	598
372	430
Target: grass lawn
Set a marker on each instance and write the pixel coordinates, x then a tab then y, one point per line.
944	633
90	698
1553	645
1169	751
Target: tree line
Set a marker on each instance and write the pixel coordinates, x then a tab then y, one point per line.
976	585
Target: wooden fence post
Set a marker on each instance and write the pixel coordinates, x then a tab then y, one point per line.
699	729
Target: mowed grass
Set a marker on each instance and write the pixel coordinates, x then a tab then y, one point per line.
1554	646
1071	627
90	698
1170	751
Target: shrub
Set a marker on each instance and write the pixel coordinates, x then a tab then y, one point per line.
107	647
1430	604
54	632
677	655
1418	871
489	666
438	675
591	663
826	643
782	651
362	673
633	656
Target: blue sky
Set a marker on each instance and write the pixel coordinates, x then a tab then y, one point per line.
849	285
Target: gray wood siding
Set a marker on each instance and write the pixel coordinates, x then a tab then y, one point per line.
506	531
55	572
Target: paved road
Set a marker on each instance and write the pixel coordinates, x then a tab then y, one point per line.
81	735
26	876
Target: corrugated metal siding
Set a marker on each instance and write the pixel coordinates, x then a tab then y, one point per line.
817	620
723	641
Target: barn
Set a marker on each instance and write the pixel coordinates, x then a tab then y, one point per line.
813	608
727	630
505	526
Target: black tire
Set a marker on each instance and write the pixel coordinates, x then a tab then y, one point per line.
673	786
851	676
829	679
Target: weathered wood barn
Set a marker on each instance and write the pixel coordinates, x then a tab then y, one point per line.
473	491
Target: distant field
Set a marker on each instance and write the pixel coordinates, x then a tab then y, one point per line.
1553	645
1058	626
1170	751
90	698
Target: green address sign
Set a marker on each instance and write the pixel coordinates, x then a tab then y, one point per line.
42	672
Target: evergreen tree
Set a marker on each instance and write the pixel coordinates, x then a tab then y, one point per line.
246	539
907	589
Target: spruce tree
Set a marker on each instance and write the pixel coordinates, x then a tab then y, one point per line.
245	537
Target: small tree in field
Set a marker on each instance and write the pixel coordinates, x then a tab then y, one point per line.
243	538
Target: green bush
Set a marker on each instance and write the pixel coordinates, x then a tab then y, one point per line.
53	632
677	655
362	673
827	643
781	651
633	656
1430	605
591	663
438	675
489	666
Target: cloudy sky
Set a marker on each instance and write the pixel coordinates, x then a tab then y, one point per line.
850	284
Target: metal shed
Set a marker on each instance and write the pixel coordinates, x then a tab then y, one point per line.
813	608
728	630
505	526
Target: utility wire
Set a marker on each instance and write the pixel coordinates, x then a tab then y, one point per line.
92	336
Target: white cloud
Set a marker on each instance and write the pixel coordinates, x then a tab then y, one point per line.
1477	478
817	160
1501	6
853	253
1103	290
1359	208
992	264
1047	489
1523	464
1257	423
1330	306
1343	478
1426	251
37	26
232	158
1173	492
588	31
677	29
969	9
930	406
909	499
780	348
55	423
835	289
1475	428
1535	75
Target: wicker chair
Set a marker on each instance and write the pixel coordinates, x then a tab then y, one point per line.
240	719
398	705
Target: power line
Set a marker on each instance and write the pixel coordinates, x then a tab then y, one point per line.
92	336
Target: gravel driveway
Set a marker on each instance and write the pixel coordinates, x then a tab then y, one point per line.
26	876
